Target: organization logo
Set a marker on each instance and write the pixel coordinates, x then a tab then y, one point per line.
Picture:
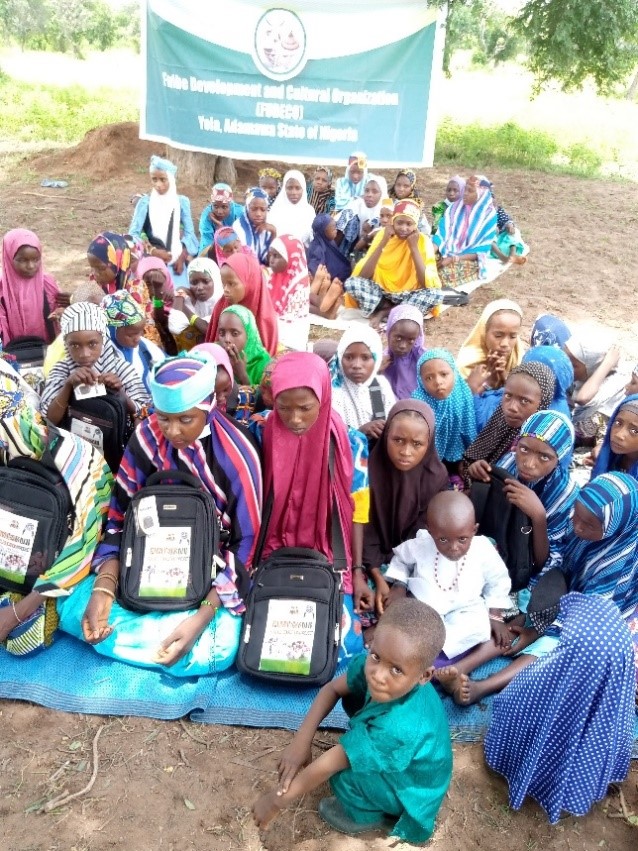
280	44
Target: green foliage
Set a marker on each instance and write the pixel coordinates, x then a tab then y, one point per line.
509	145
68	25
573	40
481	28
59	114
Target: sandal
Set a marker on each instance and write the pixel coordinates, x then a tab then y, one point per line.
454	298
332	813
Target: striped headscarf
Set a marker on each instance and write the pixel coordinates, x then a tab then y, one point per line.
183	382
86	316
256	355
497	437
609	567
557	492
113	249
454	416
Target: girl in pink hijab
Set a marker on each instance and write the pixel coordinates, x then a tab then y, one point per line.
27	294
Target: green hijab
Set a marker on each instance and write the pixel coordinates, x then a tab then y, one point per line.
256	355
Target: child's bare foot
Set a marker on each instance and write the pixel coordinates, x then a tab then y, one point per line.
457	685
266	807
332	299
321	282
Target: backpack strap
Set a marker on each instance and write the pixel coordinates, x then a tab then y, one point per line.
376	400
479	493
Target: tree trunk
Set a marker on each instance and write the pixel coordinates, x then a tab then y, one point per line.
202	169
633	88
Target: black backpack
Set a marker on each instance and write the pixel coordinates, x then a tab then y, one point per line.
508	526
36	518
104	422
291	630
28	351
187	546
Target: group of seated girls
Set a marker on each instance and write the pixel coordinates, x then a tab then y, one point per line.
411	429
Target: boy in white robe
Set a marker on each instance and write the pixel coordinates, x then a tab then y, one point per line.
458	573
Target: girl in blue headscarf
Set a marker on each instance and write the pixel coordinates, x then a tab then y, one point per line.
541	486
163	221
251	226
324	251
440	385
620	446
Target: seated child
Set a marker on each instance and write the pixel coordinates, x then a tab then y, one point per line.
404	189
508	247
222	211
360	395
321	195
289	289
440	385
237	332
453	191
351	185
386	211
404	331
251	227
619	451
86	291
192	308
291	214
324	251
270	182
395	761
91	358
126	323
153	288
360	217
457	572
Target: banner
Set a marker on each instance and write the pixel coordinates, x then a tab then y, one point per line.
310	82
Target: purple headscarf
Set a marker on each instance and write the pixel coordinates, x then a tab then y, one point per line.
402	371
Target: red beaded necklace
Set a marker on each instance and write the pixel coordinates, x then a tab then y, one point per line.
459	570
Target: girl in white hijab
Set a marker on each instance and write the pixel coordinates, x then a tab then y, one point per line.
360	395
291	213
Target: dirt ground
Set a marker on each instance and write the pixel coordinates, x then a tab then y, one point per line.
179	786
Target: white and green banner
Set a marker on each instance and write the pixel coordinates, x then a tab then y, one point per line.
297	81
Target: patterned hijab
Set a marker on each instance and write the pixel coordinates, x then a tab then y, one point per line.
608	460
561	366
256	299
255	354
292	284
399	499
468	229
402	370
549	330
497	437
122	310
455	416
297	466
113	249
411	176
319	200
607	567
474	350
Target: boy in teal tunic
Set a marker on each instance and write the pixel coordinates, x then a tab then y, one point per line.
393	766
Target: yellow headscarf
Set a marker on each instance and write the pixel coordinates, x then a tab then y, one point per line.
474	352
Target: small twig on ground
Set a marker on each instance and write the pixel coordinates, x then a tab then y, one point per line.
64	797
192	736
57	773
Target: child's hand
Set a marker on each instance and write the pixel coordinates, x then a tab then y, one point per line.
293	759
388	233
480	471
497	363
82	375
373	429
382	595
501	634
413	239
524	498
479	377
266	808
385	362
363	594
111	381
612	357
523	637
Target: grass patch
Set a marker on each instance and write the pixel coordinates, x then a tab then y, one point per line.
509	145
59	114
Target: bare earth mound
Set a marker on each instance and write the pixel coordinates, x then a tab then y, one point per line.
179	786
